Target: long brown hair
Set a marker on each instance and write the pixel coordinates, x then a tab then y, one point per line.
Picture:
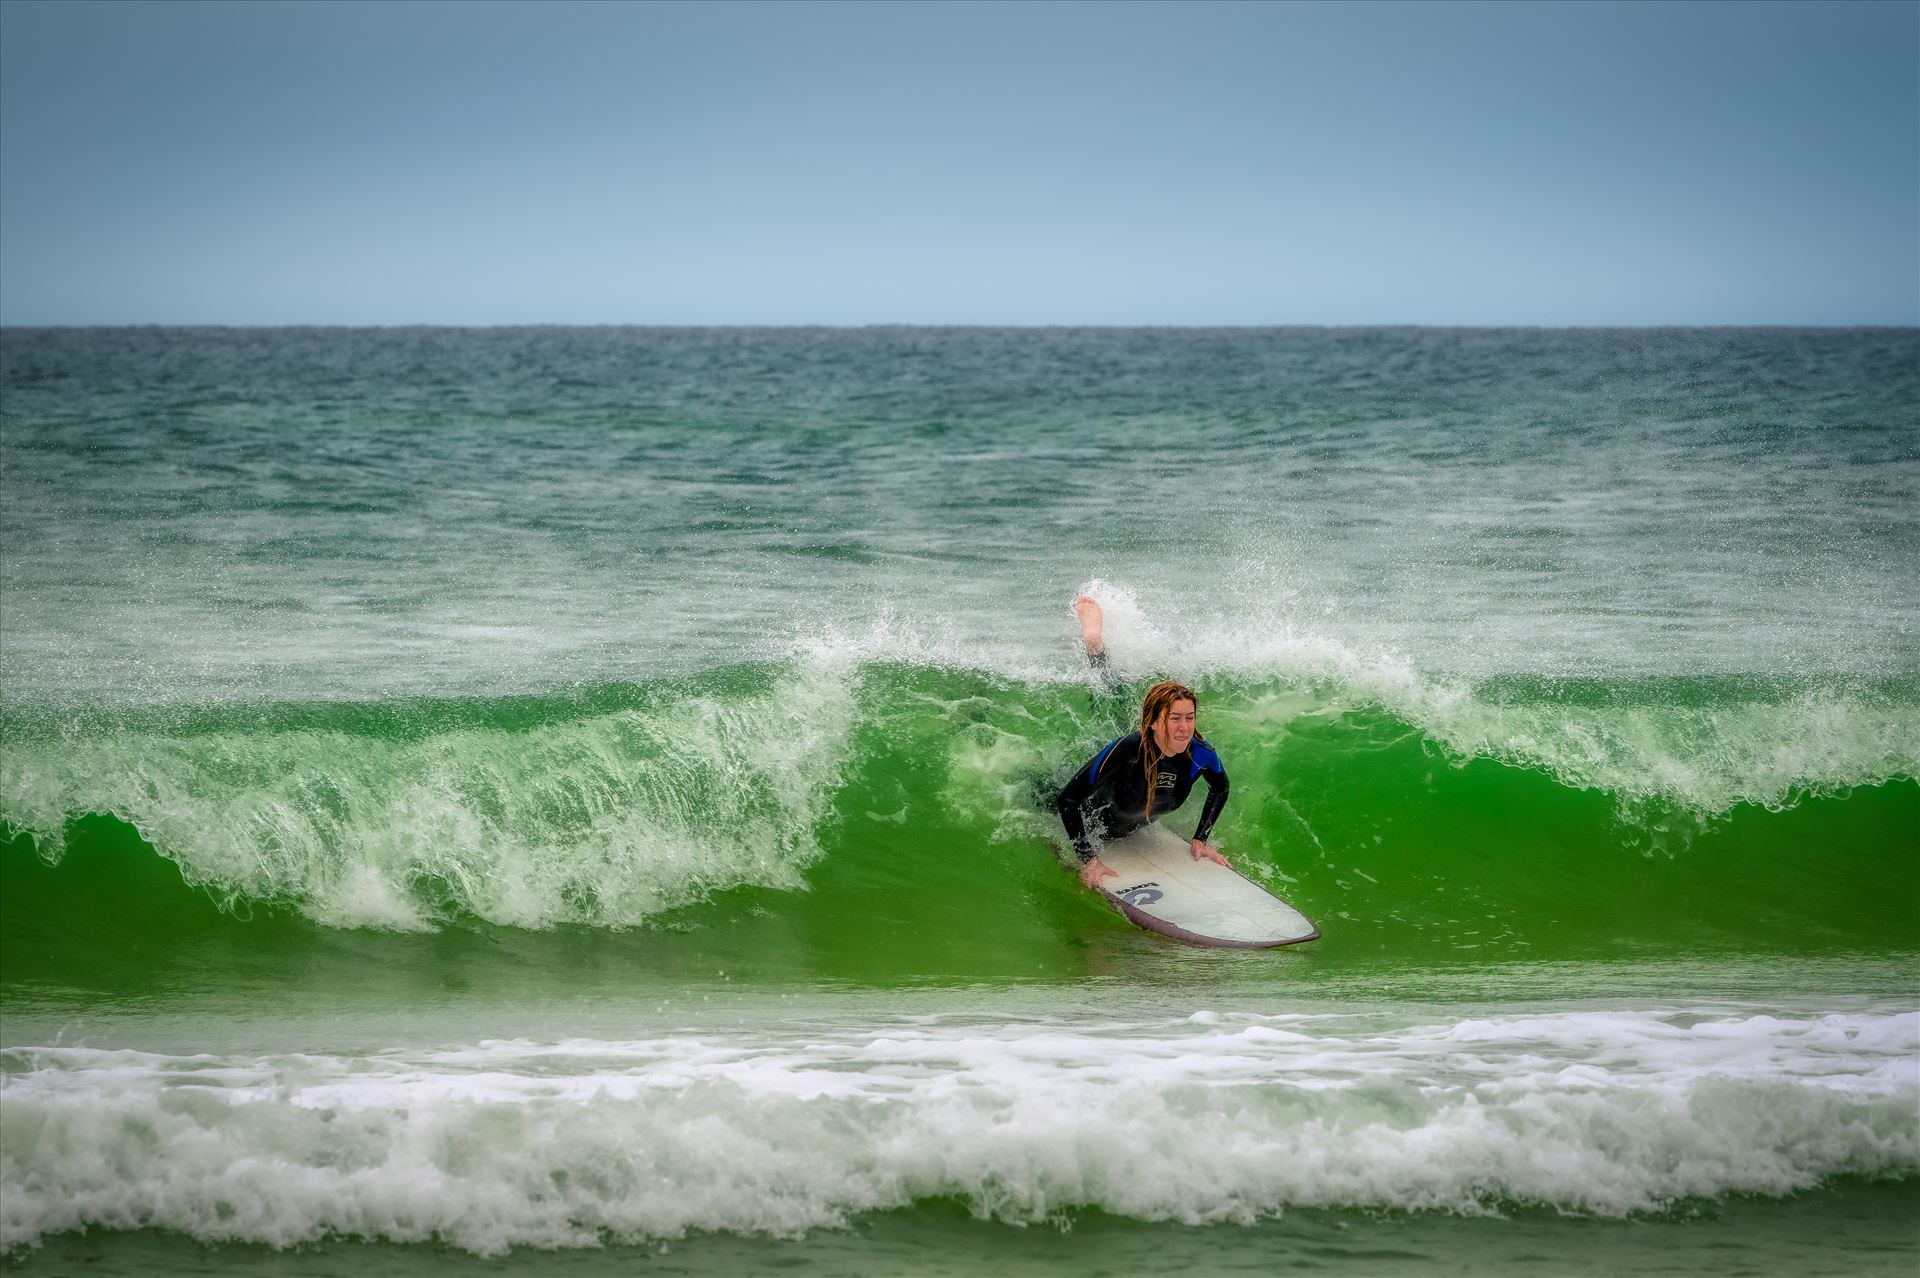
1160	699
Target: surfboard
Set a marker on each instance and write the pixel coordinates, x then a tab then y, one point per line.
1163	889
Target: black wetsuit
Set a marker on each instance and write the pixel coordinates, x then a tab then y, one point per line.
1112	790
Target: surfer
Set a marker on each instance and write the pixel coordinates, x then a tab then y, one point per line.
1145	774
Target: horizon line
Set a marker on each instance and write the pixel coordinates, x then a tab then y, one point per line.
888	324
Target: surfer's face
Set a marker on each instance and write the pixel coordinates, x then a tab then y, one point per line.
1174	728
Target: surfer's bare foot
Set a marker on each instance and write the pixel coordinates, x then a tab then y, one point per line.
1090	623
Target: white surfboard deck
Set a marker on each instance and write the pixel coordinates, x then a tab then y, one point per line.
1163	889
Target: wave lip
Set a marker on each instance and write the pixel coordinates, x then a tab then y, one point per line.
1210	1118
1702	745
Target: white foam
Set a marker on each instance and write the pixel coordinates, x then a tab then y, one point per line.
604	819
1705	759
1196	1118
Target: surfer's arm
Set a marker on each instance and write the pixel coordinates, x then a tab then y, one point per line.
1077	793
1215	776
1216	779
1072	807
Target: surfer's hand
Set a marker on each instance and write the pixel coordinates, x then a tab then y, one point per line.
1204	852
1093	871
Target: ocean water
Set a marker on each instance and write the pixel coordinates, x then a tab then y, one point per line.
572	800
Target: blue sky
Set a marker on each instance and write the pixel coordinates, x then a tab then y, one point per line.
1192	163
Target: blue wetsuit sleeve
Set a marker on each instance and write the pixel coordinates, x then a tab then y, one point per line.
1214	773
1074	796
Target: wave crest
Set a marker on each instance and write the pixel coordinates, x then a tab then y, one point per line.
604	818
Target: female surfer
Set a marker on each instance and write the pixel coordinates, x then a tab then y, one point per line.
1145	774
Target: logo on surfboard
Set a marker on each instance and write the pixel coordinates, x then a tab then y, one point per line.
1140	893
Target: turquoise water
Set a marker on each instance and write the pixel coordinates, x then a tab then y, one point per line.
576	797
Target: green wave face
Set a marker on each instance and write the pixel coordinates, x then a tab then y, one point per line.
824	819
